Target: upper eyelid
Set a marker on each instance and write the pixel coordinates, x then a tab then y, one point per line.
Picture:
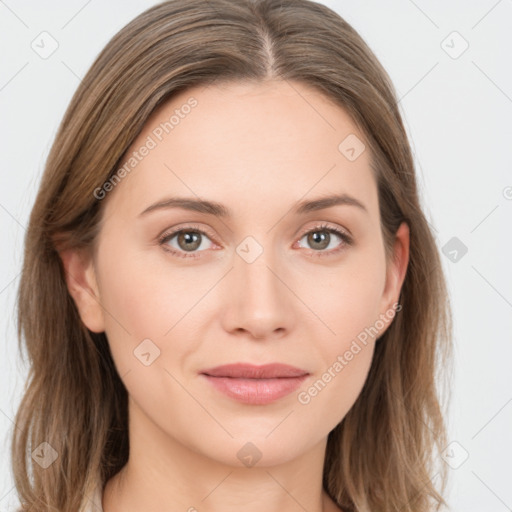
326	226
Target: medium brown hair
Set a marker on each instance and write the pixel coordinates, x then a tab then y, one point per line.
383	454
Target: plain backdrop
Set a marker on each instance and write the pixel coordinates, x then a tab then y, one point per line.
451	65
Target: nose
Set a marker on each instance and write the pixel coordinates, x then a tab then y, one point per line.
259	300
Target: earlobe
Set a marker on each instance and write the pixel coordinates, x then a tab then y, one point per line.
83	287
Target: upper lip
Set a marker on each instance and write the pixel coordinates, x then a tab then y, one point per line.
250	371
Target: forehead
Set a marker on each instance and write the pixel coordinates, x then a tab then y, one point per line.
239	143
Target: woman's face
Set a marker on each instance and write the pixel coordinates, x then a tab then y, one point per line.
216	249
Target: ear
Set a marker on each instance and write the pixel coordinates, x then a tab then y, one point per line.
397	268
83	287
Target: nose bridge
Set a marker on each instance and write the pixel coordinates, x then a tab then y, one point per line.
253	269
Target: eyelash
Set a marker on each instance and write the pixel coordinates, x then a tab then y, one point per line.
167	236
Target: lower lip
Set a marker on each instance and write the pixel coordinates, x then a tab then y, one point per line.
256	391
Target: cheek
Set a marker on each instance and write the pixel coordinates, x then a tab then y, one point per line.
346	359
348	302
332	393
346	298
146	299
135	301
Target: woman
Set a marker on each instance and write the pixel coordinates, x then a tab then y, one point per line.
231	298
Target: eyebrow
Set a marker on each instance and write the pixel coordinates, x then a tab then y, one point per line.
220	210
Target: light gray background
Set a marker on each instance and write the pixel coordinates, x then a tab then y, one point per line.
457	112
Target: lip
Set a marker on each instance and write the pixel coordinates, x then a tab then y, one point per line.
255	385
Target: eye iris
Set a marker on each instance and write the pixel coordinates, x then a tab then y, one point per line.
189	237
321	237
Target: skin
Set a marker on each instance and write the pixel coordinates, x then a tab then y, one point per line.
258	149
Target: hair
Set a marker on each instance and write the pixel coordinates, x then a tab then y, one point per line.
383	454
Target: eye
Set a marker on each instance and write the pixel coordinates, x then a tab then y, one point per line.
320	238
188	240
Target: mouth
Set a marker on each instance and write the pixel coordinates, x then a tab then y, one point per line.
255	385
